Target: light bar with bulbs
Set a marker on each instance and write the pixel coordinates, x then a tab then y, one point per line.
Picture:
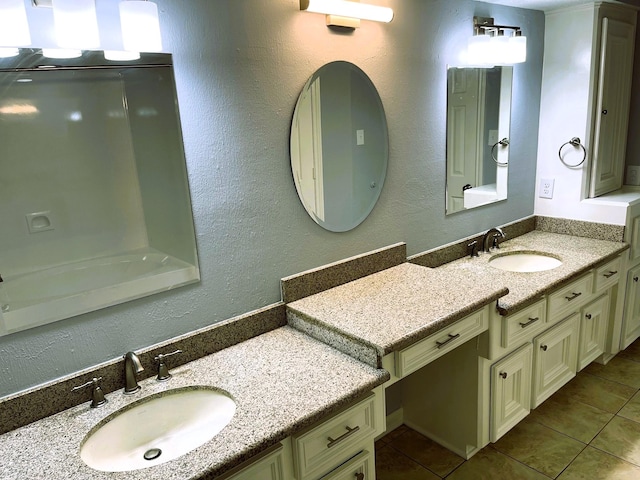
493	44
347	13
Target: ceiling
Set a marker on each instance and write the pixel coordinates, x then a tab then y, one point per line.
548	4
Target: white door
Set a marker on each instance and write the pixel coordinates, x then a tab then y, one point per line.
465	118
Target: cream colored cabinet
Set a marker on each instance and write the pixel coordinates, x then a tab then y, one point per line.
555	358
510	391
337	448
322	448
273	464
594	319
631	325
360	467
611	114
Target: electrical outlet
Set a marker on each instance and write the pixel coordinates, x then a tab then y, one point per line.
546	188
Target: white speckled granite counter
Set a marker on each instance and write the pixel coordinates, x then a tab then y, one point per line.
578	255
282	381
392	309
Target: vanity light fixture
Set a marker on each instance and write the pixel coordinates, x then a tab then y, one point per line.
14	29
493	44
76	24
140	26
347	13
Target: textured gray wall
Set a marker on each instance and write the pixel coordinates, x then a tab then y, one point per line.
240	65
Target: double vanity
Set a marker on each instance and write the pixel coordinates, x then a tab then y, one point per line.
461	353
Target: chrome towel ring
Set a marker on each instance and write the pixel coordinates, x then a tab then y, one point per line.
575	141
503	143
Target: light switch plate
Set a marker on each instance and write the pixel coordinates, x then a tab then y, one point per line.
633	175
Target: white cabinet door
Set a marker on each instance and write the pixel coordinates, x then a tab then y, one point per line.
510	391
631	324
275	464
593	331
555	358
612	106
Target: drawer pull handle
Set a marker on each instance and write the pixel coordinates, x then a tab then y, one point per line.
531	320
359	476
543	348
573	296
503	375
610	274
347	434
588	316
450	339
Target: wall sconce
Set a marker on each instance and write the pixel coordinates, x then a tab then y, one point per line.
14	29
347	13
493	44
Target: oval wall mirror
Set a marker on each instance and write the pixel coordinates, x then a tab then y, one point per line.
339	146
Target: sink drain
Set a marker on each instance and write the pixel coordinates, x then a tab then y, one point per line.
152	454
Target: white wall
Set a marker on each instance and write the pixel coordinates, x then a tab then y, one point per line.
240	65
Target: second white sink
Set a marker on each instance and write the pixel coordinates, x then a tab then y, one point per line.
157	429
524	262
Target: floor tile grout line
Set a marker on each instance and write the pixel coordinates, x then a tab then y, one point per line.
520	462
614	456
414	460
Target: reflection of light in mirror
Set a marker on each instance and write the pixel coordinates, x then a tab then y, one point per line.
24	80
75	116
115	114
147	112
8	52
121	55
19	109
61	53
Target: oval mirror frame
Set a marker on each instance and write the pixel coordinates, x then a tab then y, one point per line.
339	146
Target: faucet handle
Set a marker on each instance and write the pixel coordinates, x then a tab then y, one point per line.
472	249
97	395
163	371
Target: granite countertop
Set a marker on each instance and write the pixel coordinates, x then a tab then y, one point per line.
393	309
282	381
578	255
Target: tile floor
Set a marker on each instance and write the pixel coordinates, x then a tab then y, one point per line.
589	430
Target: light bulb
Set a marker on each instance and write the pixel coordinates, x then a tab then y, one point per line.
14	29
76	24
140	26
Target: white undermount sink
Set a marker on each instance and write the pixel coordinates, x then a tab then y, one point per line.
157	429
524	262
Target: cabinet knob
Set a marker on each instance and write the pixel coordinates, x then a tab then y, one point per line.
605	111
588	316
503	374
635	279
359	476
543	348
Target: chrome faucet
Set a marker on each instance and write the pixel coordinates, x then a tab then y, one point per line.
493	234
132	367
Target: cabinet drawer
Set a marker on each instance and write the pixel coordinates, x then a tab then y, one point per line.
360	467
608	275
427	350
319	450
570	298
524	325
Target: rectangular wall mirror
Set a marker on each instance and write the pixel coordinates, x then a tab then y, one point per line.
478	122
94	198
